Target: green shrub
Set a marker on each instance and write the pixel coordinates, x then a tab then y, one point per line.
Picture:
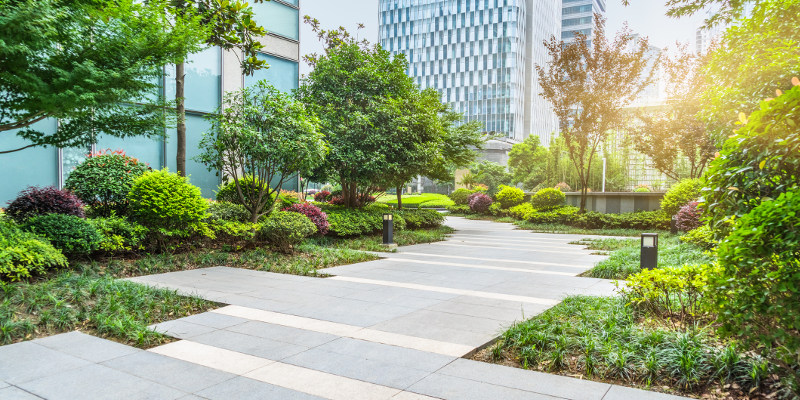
419	219
72	235
227	191
521	211
701	237
355	222
686	191
233	231
168	205
34	201
509	196
672	292
23	254
496	210
284	229
561	215
643	220
119	234
103	181
548	199
227	211
459	209
759	283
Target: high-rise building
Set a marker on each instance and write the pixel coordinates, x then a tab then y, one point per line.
578	16
209	74
478	54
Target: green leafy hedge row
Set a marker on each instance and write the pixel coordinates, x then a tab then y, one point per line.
353	222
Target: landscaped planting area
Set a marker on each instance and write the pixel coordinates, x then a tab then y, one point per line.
422	200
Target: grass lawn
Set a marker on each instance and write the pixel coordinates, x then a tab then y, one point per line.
601	338
429	200
375	242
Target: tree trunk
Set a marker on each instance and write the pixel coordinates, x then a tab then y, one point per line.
180	157
399	197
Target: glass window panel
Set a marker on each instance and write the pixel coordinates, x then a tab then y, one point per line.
71	157
283	74
203	82
150	151
278	19
36	166
206	180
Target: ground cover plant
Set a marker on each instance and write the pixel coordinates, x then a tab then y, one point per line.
672	252
375	242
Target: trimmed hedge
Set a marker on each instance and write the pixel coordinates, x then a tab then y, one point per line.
418	219
595	220
286	229
548	199
74	236
509	196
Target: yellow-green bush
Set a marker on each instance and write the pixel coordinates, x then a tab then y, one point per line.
23	254
509	196
679	292
548	199
681	194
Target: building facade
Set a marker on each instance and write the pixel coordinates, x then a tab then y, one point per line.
476	53
209	74
578	16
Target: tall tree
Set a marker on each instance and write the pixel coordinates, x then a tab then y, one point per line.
230	26
589	82
527	162
677	140
92	64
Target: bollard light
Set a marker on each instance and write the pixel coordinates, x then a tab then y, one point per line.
673	225
649	258
388	229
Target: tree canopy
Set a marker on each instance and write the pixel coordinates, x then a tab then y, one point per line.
527	162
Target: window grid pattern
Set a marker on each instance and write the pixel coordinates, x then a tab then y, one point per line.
472	51
577	16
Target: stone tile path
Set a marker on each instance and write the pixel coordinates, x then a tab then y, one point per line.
394	328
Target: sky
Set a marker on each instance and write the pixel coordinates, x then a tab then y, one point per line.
645	17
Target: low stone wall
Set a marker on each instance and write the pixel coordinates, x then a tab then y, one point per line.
617	202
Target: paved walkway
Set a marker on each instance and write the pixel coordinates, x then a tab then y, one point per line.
394	328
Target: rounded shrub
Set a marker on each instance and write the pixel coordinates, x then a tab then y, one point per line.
642	189
250	187
284	229
104	179
35	201
226	211
701	237
688	217
460	196
74	236
119	234
509	196
548	199
679	195
314	213
480	202
168	203
322	196
562	186
23	254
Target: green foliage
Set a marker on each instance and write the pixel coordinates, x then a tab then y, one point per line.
491	174
118	234
51	70
234	231
168	205
427	200
548	199
758	163
262	137
671	254
681	194
35	201
642	190
509	196
521	211
700	237
23	254
758	286
284	229
356	222
225	211
72	235
421	219
103	181
561	215
459	209
461	196
672	292
527	162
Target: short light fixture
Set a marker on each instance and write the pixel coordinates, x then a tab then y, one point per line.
388	229
649	256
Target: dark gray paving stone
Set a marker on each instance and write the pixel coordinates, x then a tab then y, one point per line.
98	382
87	347
453	388
181	329
182	375
241	388
214	320
530	381
32	361
252	345
282	333
356	367
626	393
388	354
15	393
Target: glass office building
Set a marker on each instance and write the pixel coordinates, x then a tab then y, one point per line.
577	16
209	74
476	53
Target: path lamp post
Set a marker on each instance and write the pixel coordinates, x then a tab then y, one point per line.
388	230
649	258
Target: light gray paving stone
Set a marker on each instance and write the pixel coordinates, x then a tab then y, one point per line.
530	381
98	382
181	329
388	354
32	361
282	333
454	388
252	345
4	384
168	371
15	393
625	393
85	346
241	388
192	397
214	320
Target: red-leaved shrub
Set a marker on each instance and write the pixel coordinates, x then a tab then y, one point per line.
35	201
317	216
479	202
322	196
688	217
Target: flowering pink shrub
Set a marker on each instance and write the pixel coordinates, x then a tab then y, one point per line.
35	201
479	202
317	216
322	196
688	217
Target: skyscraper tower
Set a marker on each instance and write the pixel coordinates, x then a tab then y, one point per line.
577	16
478	54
